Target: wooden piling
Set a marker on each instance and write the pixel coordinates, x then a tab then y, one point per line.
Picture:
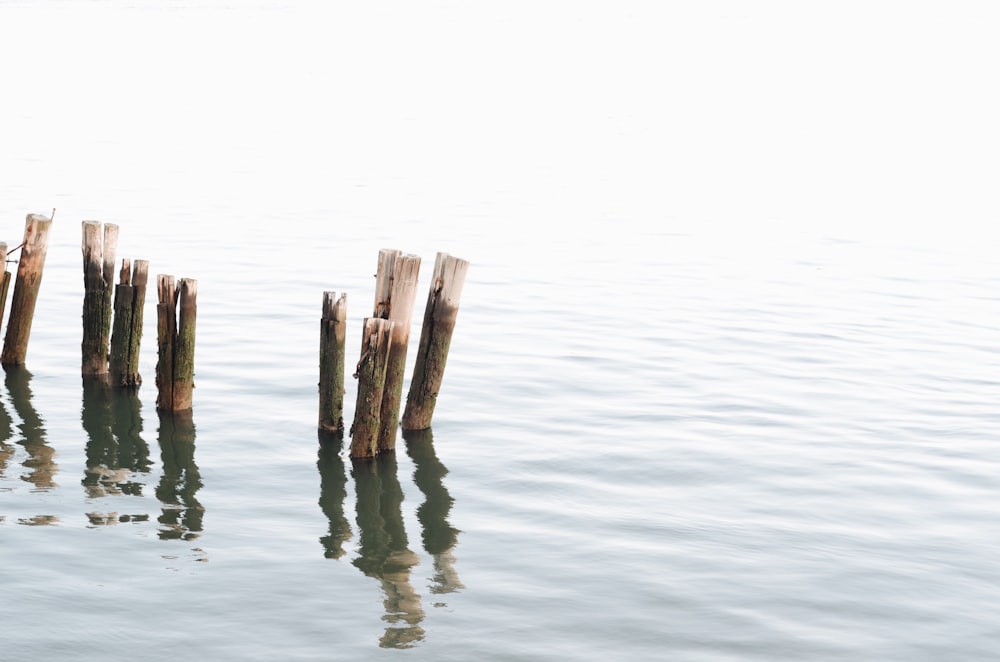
166	336
440	315
4	280
383	281
375	343
176	321
126	338
394	301
100	242
333	333
26	286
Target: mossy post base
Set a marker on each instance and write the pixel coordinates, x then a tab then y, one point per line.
100	242
26	286
396	289
375	343
130	296
333	333
440	315
176	316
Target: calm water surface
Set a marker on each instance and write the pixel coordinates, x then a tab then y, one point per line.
661	435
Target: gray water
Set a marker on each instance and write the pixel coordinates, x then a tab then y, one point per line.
723	384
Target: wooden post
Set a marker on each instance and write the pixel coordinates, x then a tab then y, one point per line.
166	335
375	343
435	339
176	335
394	302
98	281
29	280
383	281
125	340
187	291
4	280
333	333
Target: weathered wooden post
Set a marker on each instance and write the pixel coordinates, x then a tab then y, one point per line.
4	280
29	280
98	281
175	336
333	333
395	290
130	296
166	337
435	339
375	342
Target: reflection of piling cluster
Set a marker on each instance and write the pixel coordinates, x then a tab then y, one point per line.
117	456
383	547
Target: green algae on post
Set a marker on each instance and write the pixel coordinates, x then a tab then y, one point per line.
100	242
126	338
175	342
370	373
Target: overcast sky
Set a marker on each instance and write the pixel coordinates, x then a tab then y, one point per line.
876	116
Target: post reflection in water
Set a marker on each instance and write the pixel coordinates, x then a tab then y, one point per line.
6	449
116	452
182	514
384	553
439	536
332	493
40	466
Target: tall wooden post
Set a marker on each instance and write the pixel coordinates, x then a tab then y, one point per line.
396	290
29	280
375	342
175	342
440	315
98	281
130	296
333	333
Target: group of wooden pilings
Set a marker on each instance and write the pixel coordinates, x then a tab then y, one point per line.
111	352
108	352
385	337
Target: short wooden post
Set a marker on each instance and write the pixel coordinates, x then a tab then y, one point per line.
396	290
29	280
4	279
130	295
175	342
100	242
375	343
440	315
333	333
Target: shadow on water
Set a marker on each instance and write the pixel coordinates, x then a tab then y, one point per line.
182	514
384	551
116	451
383	548
332	493
40	467
439	536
